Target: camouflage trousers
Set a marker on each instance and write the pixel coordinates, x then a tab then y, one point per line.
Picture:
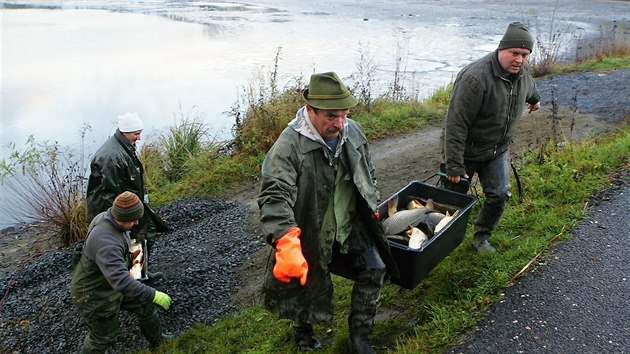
103	324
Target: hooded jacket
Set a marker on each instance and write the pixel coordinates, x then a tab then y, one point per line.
298	178
484	110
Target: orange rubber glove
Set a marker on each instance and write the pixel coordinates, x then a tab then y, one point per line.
290	262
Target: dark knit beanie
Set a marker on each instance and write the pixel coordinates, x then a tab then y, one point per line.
517	36
127	207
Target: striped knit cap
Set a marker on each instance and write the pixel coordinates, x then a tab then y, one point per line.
127	207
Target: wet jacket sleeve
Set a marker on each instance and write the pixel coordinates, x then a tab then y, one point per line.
278	191
108	252
466	100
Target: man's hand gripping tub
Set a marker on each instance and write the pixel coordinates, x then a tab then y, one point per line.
290	262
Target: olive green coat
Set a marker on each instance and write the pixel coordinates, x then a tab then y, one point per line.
102	286
101	278
485	107
298	179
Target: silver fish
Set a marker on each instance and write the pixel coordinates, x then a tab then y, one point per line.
422	217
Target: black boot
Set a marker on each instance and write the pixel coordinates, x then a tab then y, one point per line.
361	319
151	276
481	244
360	347
365	295
154	344
359	342
154	275
151	327
305	337
487	220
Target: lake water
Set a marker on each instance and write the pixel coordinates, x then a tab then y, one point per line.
70	64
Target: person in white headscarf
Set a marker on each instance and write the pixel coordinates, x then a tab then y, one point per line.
116	168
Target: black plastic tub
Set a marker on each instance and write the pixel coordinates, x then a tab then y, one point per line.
415	264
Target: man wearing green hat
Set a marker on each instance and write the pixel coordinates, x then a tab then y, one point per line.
488	99
317	201
102	284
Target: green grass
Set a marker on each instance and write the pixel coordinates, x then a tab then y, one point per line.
452	298
600	64
187	163
448	303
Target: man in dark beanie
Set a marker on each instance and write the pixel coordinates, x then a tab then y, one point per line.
488	98
317	201
102	284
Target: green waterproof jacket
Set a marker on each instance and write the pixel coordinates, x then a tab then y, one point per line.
101	278
297	181
114	169
484	110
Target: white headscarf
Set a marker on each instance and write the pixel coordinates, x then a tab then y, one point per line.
129	122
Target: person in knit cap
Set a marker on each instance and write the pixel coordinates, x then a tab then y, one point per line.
116	168
102	284
317	203
488	99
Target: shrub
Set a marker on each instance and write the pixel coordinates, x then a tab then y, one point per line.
187	138
613	40
50	186
261	112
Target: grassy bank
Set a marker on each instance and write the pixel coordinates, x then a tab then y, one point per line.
448	303
451	299
263	111
186	162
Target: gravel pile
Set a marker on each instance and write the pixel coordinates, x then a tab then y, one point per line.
199	259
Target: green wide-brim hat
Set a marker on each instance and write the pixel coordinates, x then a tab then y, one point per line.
326	91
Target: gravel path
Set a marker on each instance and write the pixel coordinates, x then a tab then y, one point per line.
577	300
212	242
198	260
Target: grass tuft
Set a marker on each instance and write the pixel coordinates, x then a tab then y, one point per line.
48	184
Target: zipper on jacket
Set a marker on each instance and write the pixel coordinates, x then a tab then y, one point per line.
509	113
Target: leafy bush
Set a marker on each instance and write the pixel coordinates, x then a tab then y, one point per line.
50	186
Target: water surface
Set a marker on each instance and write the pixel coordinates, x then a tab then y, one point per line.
71	64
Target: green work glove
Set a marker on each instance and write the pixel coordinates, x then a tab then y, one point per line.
162	300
